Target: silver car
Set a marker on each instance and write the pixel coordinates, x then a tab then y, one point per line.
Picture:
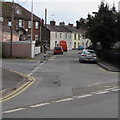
88	55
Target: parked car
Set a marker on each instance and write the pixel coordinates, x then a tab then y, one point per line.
80	47
58	50
88	55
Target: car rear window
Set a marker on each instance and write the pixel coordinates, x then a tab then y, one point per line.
91	51
57	48
88	52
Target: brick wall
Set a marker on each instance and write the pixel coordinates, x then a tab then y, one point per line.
19	49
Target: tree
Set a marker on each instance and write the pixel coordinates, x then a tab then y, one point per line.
81	23
101	27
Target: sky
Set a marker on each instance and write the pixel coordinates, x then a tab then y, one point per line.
68	11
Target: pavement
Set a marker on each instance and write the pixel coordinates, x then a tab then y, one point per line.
108	66
10	79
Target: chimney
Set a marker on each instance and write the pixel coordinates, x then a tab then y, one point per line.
71	25
62	23
52	23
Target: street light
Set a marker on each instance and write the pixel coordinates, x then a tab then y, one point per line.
11	25
31	26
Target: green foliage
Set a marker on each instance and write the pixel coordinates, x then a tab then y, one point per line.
103	26
81	24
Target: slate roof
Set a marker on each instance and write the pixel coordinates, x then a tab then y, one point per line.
25	14
57	28
52	28
74	29
65	28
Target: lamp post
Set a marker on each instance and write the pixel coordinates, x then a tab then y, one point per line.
45	35
31	27
11	28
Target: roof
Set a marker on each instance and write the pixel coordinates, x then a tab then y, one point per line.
74	29
20	12
52	28
57	28
64	28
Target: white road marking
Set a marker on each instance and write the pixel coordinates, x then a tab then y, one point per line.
39	105
83	96
115	89
14	110
102	92
64	100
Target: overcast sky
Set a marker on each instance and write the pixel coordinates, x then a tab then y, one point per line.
68	11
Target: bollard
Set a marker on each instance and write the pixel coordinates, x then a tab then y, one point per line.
45	55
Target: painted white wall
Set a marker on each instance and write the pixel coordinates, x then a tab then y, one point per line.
77	41
55	36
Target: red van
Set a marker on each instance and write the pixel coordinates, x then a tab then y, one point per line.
63	44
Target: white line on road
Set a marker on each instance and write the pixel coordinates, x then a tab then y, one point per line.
15	110
116	90
64	100
102	92
39	105
83	96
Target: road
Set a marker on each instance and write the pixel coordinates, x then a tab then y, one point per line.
63	78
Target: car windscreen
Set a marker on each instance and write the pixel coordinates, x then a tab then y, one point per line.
57	48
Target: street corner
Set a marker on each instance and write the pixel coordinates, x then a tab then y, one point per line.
17	86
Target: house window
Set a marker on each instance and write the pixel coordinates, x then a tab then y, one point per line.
79	36
20	23
60	35
29	24
29	37
74	36
56	35
70	36
66	35
74	45
36	25
36	37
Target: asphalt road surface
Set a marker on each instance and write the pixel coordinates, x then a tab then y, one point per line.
63	77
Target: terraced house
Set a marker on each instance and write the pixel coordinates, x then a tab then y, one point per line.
69	33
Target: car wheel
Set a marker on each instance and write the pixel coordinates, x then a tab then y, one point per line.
80	61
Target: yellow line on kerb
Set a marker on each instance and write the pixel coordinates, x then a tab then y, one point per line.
16	91
20	91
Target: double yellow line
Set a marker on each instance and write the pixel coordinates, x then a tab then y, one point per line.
20	89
